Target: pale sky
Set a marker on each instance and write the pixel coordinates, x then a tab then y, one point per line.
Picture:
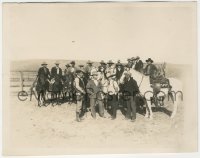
162	31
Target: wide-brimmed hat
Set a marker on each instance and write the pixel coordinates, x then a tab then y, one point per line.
81	65
44	63
133	58
110	62
68	65
57	62
94	73
79	71
111	76
89	62
129	59
102	62
119	64
137	57
72	62
149	60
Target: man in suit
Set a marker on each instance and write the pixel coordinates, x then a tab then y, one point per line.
111	68
88	69
129	90
95	94
102	64
119	71
56	74
80	89
43	76
150	70
138	64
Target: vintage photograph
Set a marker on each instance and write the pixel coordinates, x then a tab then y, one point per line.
99	78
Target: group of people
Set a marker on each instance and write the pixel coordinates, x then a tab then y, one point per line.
105	86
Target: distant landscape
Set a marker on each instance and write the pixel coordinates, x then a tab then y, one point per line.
172	70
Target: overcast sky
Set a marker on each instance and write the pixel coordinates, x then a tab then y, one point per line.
162	31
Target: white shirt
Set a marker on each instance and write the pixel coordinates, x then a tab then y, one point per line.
113	87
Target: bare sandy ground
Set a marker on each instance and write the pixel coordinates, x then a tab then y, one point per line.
53	130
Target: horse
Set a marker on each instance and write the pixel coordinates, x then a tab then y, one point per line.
56	87
41	89
147	92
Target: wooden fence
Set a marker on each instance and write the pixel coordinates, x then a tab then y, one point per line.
20	81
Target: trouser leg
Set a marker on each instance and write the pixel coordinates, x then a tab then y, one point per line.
101	107
128	113
92	107
114	106
133	107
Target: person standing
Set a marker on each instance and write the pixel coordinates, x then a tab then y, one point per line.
111	68
129	91
150	70
138	64
95	95
56	74
80	89
113	90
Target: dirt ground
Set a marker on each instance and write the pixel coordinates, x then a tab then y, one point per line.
41	130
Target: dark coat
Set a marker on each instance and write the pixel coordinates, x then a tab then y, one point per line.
150	70
93	90
42	81
57	85
54	73
139	66
119	73
130	87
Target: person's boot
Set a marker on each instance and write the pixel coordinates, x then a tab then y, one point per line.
77	117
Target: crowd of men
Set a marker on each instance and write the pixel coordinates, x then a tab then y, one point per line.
100	86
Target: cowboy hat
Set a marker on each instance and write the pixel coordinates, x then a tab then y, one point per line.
102	62
72	62
57	62
113	75
44	63
68	65
110	62
94	73
89	62
137	57
79	71
81	65
133	58
128	59
119	64
149	60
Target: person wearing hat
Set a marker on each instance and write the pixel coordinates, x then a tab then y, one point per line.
150	70
119	71
130	62
80	89
138	64
112	98
88	69
67	69
111	68
102	64
94	90
56	71
129	91
43	78
73	68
